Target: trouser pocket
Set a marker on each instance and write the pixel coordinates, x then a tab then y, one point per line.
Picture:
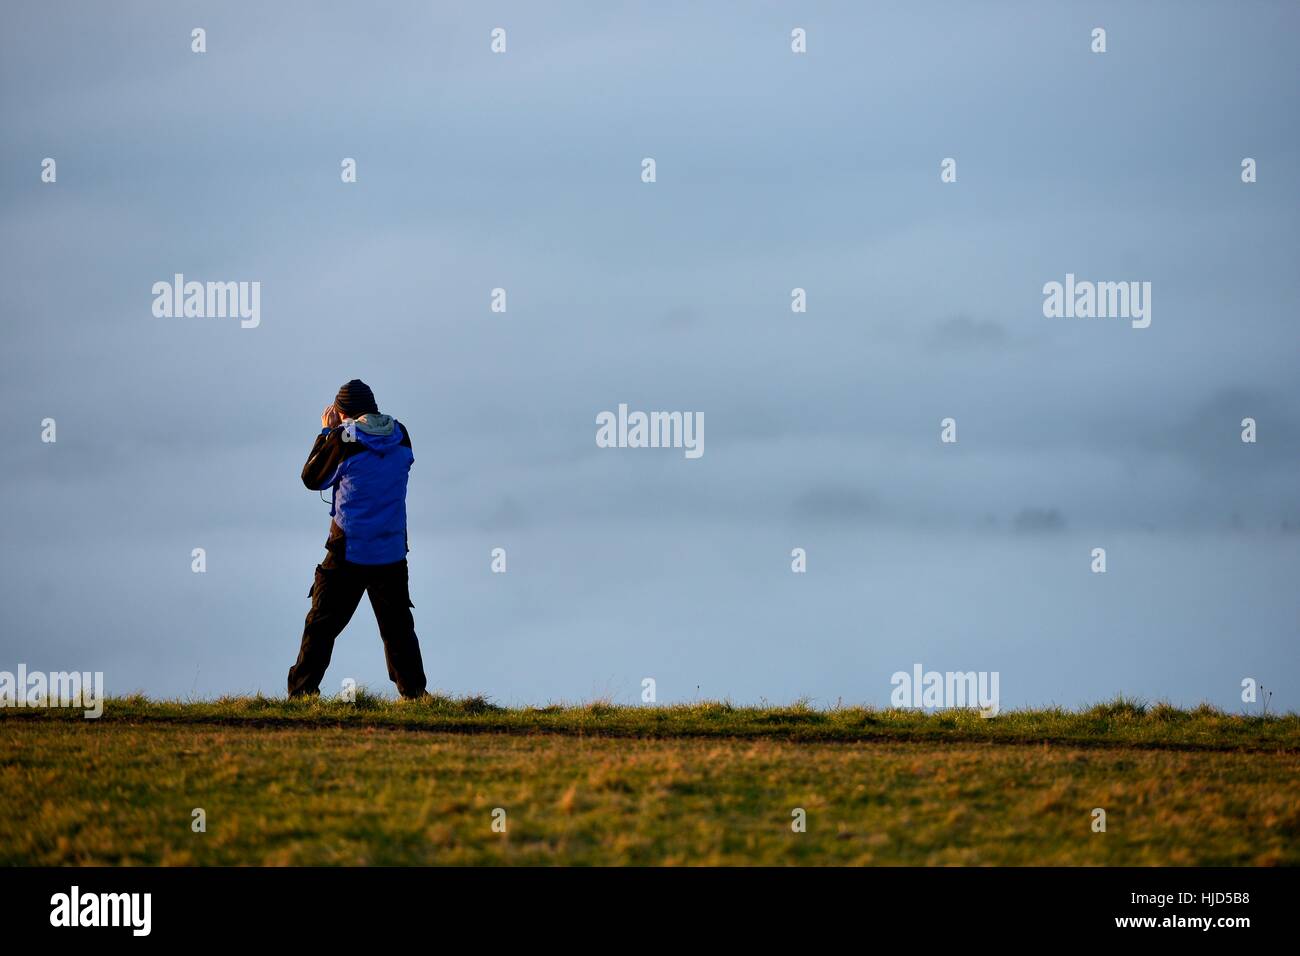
389	585
319	579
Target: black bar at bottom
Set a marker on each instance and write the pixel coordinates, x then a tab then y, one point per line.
296	905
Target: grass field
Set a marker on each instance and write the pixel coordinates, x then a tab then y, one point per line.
375	782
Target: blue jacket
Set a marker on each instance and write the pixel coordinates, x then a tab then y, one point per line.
367	463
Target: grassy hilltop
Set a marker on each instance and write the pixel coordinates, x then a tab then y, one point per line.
380	782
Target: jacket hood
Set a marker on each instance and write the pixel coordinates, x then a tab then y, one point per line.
376	431
373	423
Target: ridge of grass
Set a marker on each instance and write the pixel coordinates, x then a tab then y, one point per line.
1122	722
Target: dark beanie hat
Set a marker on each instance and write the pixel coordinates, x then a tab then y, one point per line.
355	398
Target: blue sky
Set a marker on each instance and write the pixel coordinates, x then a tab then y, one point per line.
774	171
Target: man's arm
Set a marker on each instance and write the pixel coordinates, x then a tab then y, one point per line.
326	455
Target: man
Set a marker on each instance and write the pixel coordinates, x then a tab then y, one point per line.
365	458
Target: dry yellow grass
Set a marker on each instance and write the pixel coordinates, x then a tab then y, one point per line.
76	793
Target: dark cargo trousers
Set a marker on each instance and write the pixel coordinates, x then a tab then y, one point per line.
335	595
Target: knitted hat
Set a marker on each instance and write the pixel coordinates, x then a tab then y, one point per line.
355	398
